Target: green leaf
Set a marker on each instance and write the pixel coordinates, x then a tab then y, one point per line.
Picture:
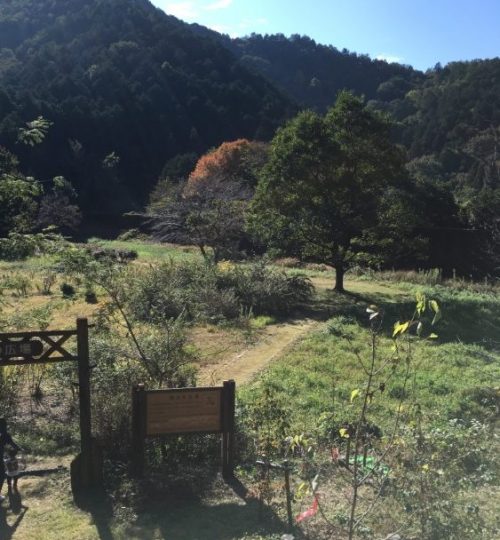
433	336
354	394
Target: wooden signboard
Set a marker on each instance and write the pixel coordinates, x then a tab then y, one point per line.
182	411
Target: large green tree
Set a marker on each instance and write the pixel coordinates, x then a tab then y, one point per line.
320	195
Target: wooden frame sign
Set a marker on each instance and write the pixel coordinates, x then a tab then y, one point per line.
179	411
48	347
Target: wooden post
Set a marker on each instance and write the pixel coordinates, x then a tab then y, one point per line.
138	430
228	410
82	336
286	469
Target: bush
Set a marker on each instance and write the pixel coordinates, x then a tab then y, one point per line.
68	291
199	291
21	246
266	291
18	246
100	253
119	368
90	297
19	284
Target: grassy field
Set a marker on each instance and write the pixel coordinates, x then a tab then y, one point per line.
457	377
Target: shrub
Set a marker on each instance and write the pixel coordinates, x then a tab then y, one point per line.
19	284
18	246
90	297
266	291
48	281
104	254
199	291
67	290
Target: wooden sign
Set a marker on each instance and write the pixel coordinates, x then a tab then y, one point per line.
49	346
20	349
186	410
182	411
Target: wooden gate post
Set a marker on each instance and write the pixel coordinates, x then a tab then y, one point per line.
138	429
228	407
82	337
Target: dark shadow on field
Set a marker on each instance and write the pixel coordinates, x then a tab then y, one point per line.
464	320
225	512
7	530
98	504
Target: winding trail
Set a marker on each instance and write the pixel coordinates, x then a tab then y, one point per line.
244	365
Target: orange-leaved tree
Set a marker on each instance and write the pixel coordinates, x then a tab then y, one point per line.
237	161
209	209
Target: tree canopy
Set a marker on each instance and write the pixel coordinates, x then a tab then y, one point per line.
322	189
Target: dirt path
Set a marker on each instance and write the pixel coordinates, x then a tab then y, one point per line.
244	365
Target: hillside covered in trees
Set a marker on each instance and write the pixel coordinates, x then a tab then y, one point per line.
132	96
119	76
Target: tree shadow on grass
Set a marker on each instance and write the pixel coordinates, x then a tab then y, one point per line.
99	505
464	320
224	514
7	530
174	510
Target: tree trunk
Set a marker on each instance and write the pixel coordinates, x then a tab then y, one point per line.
339	277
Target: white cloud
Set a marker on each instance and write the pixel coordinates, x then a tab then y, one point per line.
218	4
390	58
182	10
223	29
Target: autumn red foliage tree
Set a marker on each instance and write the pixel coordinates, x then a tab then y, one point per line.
208	210
237	161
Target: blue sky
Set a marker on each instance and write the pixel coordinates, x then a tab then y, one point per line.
416	32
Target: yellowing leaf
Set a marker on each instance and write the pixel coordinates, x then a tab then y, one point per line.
425	467
354	394
433	336
420	303
400	328
434	305
344	433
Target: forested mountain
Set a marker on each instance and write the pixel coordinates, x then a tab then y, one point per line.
313	74
126	87
127	94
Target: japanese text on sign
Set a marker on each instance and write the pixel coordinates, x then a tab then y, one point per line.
20	349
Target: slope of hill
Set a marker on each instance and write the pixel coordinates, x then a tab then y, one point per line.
122	77
313	74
